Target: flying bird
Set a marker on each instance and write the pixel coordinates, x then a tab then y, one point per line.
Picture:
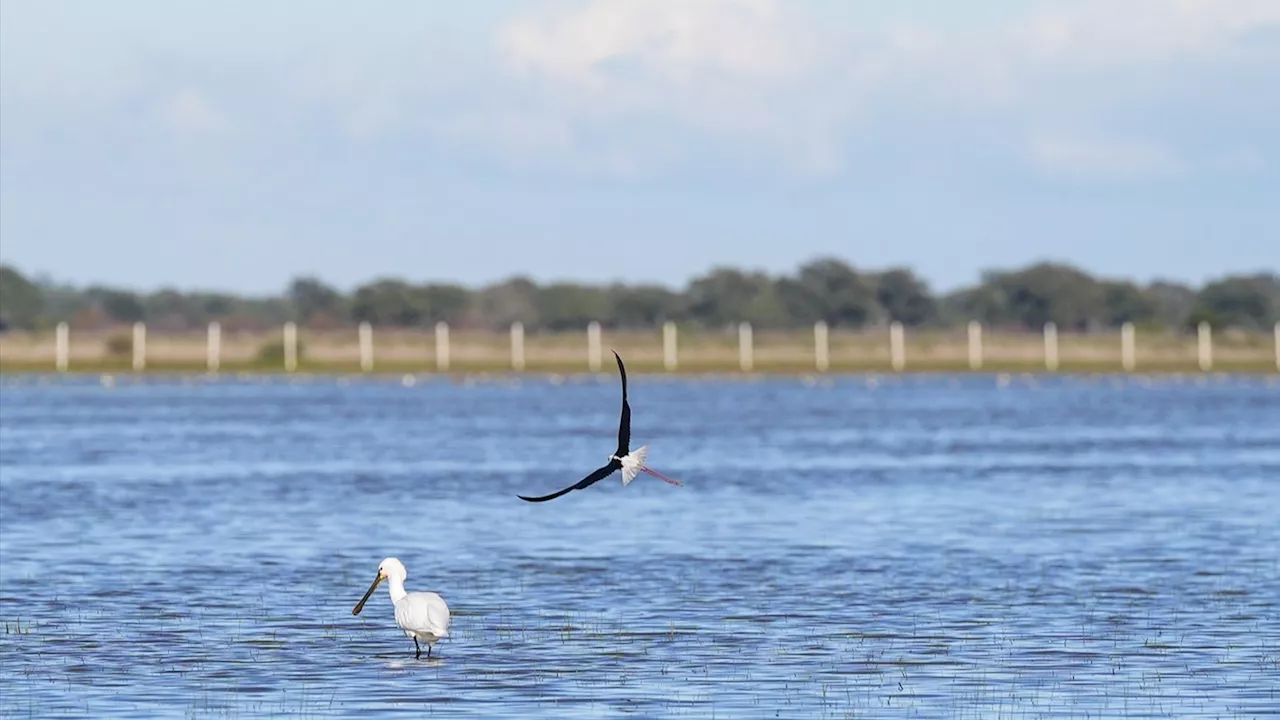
421	615
630	463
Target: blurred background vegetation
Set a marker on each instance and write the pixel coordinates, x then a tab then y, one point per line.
824	289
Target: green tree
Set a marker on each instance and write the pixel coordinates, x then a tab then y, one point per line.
448	303
170	309
1123	302
210	306
725	296
21	301
119	305
514	299
644	306
1173	303
765	309
61	302
822	289
313	299
830	290
905	298
568	306
1048	292
984	303
262	312
390	302
1244	301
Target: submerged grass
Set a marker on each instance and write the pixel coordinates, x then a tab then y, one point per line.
17	628
502	662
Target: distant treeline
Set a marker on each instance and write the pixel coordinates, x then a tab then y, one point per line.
824	289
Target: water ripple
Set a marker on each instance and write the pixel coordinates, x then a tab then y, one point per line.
909	547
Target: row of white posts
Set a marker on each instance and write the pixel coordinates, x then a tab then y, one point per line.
746	350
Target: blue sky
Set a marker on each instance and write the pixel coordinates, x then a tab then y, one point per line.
235	145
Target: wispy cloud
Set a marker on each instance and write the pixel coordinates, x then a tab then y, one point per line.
636	86
1105	158
1110	33
191	112
675	46
750	68
768	74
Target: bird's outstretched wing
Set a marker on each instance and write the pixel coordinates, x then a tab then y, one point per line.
585	482
624	425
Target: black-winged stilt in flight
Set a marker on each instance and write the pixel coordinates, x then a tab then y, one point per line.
630	463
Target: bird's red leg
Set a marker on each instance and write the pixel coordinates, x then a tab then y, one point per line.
660	476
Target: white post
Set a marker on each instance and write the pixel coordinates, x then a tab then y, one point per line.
442	346
669	345
366	346
593	346
821	346
975	344
1051	346
213	349
897	346
517	346
746	359
290	347
139	346
1206	347
62	346
1127	353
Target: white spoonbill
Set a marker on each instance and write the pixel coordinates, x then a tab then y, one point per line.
421	615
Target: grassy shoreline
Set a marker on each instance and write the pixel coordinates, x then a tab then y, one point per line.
698	352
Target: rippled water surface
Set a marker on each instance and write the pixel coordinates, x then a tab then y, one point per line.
908	547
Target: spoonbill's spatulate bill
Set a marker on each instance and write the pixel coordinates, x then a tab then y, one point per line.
421	615
630	463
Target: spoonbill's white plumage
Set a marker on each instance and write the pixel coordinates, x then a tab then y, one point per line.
630	462
421	615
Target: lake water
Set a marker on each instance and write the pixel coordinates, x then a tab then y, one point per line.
923	546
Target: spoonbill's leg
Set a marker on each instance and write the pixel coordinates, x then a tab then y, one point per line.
428	651
660	476
418	650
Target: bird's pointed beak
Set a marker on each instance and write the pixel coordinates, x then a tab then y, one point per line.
367	593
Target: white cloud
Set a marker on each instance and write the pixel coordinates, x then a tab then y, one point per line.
748	68
632	86
762	71
190	112
1103	158
677	44
1086	65
1107	33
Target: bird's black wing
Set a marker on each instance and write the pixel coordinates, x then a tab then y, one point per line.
624	425
585	482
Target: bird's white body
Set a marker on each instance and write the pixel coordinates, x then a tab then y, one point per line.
422	615
632	463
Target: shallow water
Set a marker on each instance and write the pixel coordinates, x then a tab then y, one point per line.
848	547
